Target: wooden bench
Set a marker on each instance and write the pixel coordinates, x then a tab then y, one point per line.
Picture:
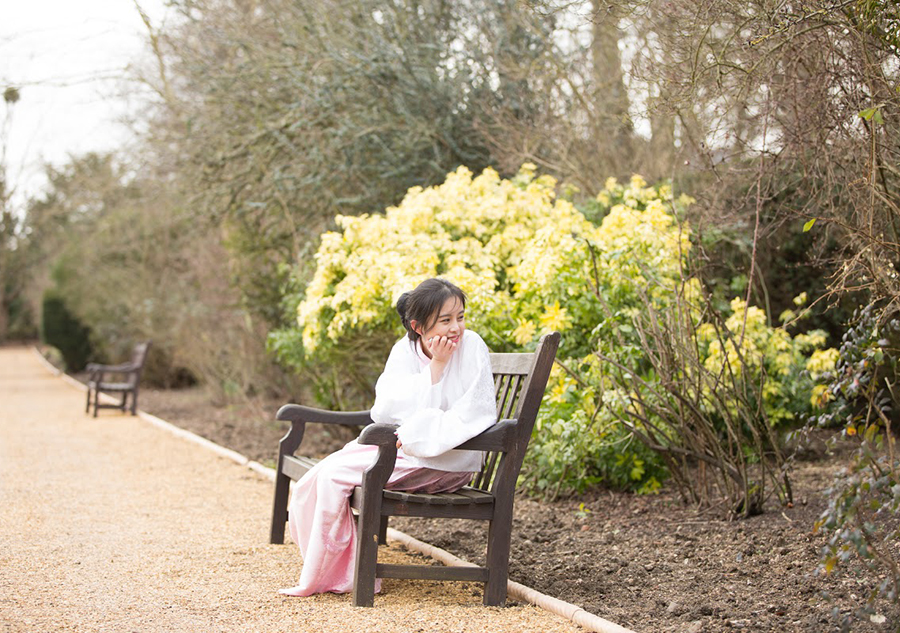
519	380
128	379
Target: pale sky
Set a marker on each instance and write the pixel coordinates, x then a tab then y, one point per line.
68	59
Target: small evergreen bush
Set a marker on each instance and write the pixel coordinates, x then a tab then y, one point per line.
61	329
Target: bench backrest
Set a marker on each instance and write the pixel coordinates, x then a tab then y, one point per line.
519	383
138	358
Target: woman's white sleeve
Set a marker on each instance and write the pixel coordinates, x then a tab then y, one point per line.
403	388
429	431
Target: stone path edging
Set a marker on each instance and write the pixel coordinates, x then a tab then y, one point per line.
571	612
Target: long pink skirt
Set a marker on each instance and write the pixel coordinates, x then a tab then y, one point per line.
322	524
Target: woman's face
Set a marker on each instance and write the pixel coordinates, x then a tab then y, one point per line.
451	322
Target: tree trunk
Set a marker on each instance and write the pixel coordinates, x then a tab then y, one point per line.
4	313
662	140
7	224
662	116
610	96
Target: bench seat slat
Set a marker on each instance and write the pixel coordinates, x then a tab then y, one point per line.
464	496
475	495
295	466
112	386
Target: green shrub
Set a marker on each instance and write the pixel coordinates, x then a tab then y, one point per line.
63	331
861	520
21	324
53	356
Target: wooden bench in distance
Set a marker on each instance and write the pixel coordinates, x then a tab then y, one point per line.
128	379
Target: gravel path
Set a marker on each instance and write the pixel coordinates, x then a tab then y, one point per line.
111	524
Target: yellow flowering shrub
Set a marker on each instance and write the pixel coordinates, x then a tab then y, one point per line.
479	231
791	365
523	256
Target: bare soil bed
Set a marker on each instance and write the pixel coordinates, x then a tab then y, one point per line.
649	563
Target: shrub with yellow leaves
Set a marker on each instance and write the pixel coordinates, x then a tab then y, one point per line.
523	256
789	366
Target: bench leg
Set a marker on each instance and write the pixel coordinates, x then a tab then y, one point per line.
87	405
96	401
369	524
279	508
382	531
366	559
134	402
499	534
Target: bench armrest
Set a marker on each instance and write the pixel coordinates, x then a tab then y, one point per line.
298	413
498	437
379	434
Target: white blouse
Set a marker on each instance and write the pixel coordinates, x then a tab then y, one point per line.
435	418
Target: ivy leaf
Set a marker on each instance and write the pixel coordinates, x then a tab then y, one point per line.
809	224
873	114
870	433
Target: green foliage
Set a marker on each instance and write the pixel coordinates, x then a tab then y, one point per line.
525	259
861	385
577	445
61	329
22	324
130	261
862	520
301	110
53	356
788	368
89	228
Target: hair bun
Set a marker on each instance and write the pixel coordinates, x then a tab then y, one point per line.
402	304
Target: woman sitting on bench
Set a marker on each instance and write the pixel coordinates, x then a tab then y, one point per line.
438	387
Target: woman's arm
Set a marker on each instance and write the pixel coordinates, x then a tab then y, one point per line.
404	387
430	431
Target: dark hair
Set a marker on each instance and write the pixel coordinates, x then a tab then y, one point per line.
425	302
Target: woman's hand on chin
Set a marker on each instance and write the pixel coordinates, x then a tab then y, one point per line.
441	348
